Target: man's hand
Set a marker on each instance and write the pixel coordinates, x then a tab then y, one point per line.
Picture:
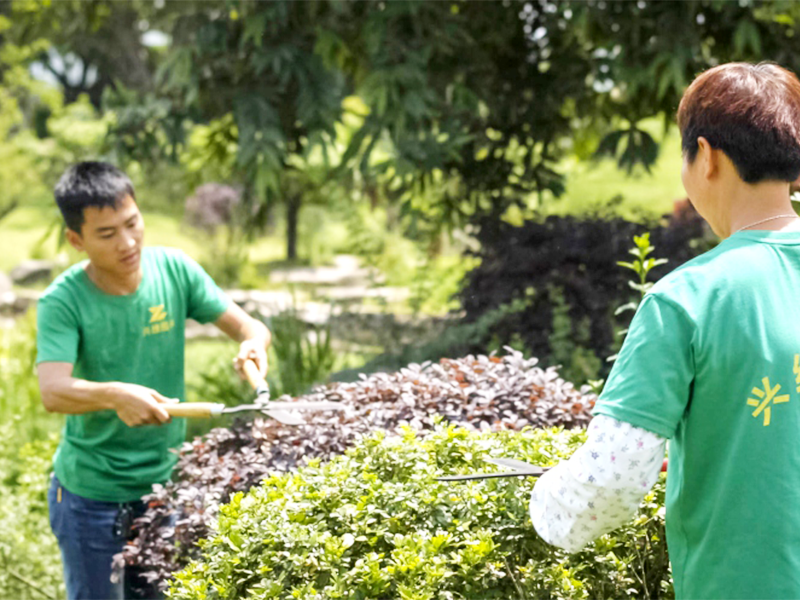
138	405
251	350
253	336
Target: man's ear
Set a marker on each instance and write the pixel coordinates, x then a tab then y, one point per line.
709	157
74	238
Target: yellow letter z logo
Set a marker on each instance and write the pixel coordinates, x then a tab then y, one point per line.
157	313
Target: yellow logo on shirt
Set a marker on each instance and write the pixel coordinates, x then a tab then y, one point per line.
157	313
765	397
796	371
158	321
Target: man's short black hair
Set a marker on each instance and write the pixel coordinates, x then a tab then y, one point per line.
87	184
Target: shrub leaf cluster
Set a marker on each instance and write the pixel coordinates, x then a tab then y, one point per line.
374	523
29	555
488	393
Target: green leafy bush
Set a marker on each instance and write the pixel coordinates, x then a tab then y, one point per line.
436	282
569	342
374	523
456	339
304	353
30	563
642	264
19	389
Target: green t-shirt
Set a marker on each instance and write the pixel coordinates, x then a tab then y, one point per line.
712	361
136	338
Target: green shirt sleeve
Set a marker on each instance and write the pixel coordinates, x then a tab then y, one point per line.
206	301
650	383
57	331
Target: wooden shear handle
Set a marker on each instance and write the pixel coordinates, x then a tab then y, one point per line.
193	409
252	375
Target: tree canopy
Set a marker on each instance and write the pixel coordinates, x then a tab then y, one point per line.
464	108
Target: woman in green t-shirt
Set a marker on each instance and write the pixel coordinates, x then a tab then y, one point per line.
711	362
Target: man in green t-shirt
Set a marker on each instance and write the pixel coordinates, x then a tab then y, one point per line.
111	356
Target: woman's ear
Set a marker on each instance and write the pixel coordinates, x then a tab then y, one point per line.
795	186
709	157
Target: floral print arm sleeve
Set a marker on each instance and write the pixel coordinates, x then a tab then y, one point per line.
600	487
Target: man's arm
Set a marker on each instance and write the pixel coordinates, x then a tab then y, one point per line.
253	336
134	404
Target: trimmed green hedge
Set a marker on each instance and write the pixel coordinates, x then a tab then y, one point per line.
375	524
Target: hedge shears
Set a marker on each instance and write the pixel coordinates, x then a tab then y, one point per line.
280	411
519	468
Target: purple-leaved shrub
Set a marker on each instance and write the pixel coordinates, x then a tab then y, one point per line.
480	393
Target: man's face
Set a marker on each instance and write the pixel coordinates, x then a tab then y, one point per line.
111	237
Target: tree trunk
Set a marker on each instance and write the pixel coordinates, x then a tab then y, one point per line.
293	203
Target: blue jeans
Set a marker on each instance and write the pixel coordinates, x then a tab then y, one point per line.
89	534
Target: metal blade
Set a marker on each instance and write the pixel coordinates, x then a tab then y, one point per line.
285	417
528	473
273	406
512	463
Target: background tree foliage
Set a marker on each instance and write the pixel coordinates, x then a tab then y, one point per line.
466	108
476	102
91	45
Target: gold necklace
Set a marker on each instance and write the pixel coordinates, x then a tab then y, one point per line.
793	215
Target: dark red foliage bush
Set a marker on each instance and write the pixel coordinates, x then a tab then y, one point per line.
578	256
478	392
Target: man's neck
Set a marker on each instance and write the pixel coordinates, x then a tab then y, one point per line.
113	283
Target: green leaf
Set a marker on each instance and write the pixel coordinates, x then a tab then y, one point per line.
630	306
254	26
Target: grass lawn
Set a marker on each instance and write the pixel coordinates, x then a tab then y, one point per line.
592	184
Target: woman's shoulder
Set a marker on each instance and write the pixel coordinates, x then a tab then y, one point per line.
703	274
732	265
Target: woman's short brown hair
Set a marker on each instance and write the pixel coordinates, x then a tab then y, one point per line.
751	113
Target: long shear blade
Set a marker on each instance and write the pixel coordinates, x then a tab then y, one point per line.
529	473
284	412
277	405
519	469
